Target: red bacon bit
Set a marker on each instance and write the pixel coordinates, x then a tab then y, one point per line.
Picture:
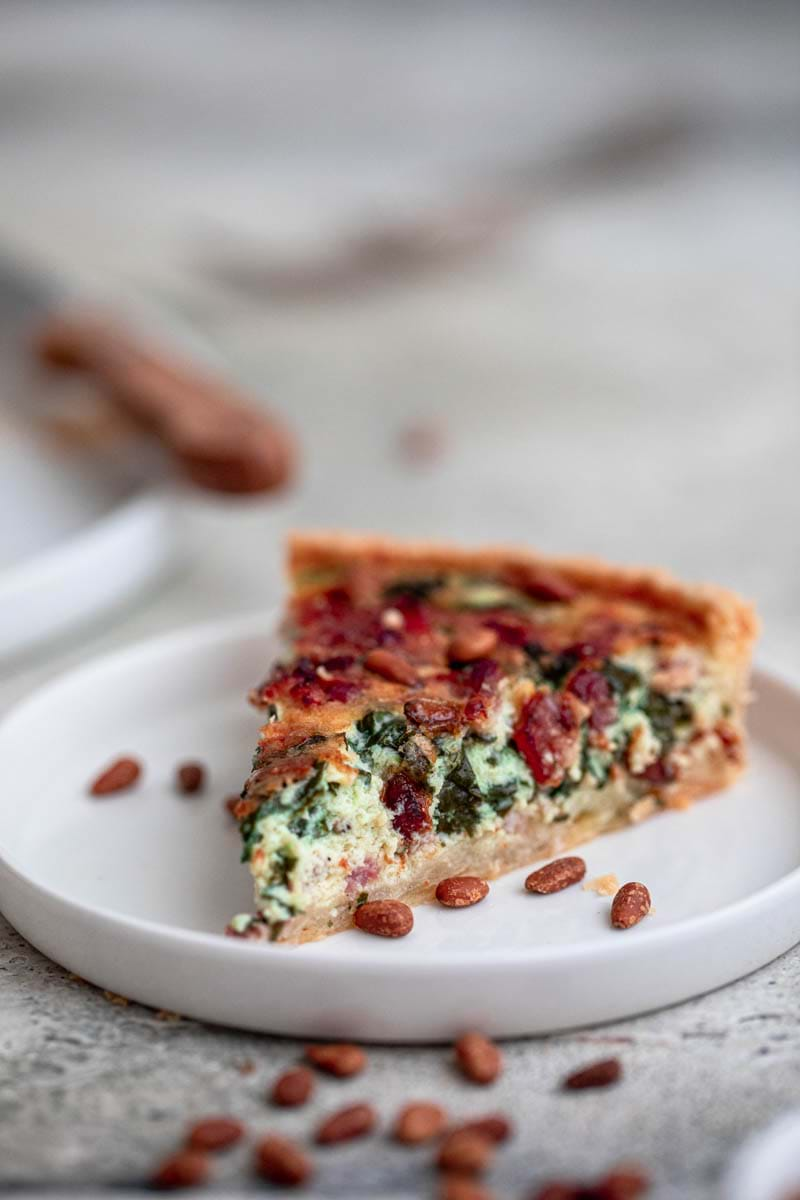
361	876
481	680
662	771
475	710
596	693
415	617
330	622
510	632
547	736
340	690
483	675
597	640
334	603
306	686
408	803
340	662
307	694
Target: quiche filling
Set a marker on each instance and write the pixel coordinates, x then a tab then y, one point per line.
420	709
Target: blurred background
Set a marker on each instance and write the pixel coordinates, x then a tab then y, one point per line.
510	271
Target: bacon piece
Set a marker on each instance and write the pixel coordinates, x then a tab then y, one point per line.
361	876
409	804
483	675
597	638
659	772
547	736
415	614
475	710
509	631
594	690
342	691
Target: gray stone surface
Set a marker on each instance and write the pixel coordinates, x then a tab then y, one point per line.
619	377
93	1093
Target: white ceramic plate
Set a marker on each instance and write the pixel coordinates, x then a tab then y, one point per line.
65	563
132	892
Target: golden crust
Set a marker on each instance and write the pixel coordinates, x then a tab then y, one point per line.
721	620
496	853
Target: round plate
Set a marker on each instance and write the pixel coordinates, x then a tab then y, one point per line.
120	548
132	891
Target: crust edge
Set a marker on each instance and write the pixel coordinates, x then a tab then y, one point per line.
724	621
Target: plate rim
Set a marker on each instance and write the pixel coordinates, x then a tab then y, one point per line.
44	597
261	623
37	569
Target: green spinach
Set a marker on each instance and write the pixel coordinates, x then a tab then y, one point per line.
458	808
379	728
666	714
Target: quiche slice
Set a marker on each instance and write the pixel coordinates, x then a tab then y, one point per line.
441	711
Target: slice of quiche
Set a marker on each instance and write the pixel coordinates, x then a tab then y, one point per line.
442	711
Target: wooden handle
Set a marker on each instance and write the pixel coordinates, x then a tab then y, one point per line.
217	439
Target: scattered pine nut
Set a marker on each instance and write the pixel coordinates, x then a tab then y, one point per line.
596	1075
630	905
419	1123
355	1121
461	891
555	876
190	778
282	1162
479	1058
120	776
187	1168
215	1133
341	1059
293	1087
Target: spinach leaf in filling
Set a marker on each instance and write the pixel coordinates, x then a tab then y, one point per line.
421	589
550	668
598	763
666	715
305	810
460	798
250	835
379	728
624	680
283	862
309	817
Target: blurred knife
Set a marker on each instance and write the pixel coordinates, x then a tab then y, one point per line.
212	434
